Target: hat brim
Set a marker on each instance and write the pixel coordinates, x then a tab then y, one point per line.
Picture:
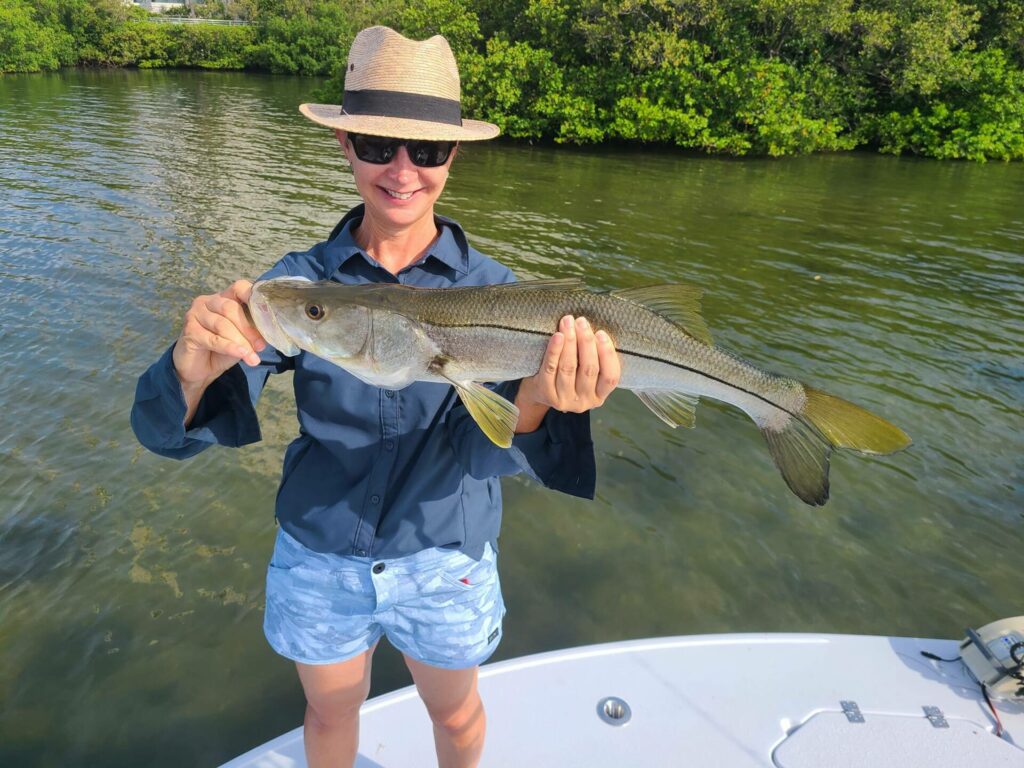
331	116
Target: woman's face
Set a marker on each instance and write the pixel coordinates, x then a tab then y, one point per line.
398	194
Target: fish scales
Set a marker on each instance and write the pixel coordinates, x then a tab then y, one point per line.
391	335
489	325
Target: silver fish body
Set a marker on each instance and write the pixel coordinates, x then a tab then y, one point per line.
392	335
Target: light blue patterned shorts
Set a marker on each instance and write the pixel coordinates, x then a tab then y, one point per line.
438	606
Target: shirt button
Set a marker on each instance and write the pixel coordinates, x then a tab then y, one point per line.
375	498
361	552
389	393
379	568
390	444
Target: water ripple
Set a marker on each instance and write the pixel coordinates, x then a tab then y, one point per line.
895	283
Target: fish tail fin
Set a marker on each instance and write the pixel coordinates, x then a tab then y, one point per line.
846	425
802	456
802	447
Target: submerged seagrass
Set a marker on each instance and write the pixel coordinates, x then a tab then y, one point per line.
392	335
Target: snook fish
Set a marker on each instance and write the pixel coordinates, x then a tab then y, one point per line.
392	335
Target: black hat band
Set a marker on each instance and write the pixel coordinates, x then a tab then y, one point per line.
411	106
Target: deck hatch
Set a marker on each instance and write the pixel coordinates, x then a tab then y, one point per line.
906	741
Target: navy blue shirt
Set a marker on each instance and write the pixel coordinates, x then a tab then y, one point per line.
373	472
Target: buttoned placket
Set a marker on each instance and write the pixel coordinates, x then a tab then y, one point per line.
389	405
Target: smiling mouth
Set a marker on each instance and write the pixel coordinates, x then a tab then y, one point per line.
398	195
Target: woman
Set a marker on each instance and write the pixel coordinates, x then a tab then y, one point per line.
389	505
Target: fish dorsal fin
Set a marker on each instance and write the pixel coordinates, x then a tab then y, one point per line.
678	303
674	408
560	283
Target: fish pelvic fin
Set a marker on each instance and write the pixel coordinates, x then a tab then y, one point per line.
495	415
802	456
846	425
677	303
674	408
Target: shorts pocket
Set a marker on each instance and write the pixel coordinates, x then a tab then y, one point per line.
465	573
288	552
302	566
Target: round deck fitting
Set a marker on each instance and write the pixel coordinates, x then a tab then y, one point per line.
614	711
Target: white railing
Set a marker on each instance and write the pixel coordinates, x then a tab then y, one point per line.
188	20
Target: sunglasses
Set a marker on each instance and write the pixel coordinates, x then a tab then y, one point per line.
381	150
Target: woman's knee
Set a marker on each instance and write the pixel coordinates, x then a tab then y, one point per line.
459	717
329	711
335	692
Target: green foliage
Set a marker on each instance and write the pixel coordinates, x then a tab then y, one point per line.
512	85
311	41
149	45
424	18
980	117
942	78
311	37
28	44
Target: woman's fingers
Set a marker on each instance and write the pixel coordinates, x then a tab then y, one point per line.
221	329
580	368
201	335
544	381
588	365
609	364
217	334
565	379
231	309
240	291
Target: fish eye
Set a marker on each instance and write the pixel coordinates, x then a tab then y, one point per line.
315	311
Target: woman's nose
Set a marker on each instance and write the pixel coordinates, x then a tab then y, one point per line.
401	161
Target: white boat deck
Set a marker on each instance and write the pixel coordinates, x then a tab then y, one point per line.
719	700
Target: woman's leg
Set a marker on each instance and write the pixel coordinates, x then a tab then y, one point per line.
334	693
455	709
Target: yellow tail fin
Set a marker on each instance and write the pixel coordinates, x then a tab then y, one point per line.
846	425
801	449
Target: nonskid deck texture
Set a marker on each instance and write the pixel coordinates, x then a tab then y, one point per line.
733	701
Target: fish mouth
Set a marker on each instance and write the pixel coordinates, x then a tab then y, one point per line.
265	320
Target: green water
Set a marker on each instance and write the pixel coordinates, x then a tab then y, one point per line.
131	587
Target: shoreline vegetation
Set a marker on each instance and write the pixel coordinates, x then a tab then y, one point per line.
936	78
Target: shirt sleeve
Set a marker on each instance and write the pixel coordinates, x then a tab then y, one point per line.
559	454
226	413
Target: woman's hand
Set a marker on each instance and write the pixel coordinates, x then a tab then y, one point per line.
215	336
580	369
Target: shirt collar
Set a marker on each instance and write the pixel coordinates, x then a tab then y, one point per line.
451	247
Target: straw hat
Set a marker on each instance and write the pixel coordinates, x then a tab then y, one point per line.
401	88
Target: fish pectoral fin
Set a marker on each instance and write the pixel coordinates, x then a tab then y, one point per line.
495	415
674	408
678	303
802	455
